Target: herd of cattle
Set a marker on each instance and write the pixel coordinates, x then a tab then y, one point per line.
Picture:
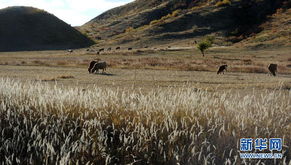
108	49
102	50
94	67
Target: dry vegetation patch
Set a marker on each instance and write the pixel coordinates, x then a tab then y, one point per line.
58	78
43	124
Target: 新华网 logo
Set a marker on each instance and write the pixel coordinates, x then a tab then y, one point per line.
273	145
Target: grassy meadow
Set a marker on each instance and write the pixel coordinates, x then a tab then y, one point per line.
165	106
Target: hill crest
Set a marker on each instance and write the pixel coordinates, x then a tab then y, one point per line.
28	28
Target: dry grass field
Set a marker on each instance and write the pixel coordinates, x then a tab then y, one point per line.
164	106
149	68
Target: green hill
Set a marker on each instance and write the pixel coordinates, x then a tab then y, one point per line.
27	28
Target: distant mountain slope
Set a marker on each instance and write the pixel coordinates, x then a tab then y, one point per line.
152	22
27	28
275	32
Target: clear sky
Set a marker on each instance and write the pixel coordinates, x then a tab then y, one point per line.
74	12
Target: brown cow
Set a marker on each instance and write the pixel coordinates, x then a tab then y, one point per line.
273	69
221	69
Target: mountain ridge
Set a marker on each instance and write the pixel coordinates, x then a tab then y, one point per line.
155	22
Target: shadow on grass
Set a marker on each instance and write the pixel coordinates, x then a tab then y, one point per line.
106	74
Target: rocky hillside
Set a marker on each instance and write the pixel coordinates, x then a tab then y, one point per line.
26	28
151	22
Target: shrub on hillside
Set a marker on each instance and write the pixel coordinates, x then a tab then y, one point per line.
154	22
129	29
223	3
162	19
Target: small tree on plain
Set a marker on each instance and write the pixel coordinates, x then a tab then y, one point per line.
205	44
202	46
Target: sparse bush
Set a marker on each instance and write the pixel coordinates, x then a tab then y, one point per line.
154	22
57	78
129	29
195	8
66	77
162	19
223	3
37	62
210	39
247	61
175	13
142	27
62	63
279	11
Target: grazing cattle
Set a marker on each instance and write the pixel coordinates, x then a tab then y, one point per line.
146	46
109	49
102	49
70	50
221	69
118	48
129	49
98	53
87	50
99	65
273	69
91	65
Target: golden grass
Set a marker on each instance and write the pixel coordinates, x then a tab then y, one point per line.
223	3
44	124
158	111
